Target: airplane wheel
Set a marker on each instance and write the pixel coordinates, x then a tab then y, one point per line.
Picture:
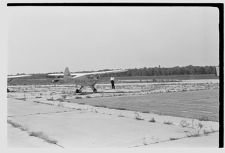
77	91
95	90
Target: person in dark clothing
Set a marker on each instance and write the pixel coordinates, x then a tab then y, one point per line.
112	82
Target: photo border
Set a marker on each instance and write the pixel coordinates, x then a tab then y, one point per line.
220	7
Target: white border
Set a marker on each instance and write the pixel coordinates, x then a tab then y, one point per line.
3	83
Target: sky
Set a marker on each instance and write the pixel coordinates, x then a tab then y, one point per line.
48	39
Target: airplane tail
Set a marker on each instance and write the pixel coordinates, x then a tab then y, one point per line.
66	72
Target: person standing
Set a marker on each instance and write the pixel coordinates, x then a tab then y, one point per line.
112	82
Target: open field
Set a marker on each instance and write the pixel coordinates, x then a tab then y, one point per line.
133	115
44	80
201	104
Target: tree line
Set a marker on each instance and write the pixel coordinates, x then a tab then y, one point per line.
157	71
152	71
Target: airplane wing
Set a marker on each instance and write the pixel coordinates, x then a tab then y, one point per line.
77	75
17	76
56	74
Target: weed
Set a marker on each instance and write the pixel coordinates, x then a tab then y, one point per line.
203	118
50	99
120	115
184	123
200	125
145	112
60	104
138	116
38	97
172	139
212	130
60	100
42	136
103	106
168	122
16	125
193	134
152	120
24	99
145	141
52	93
81	103
78	97
63	92
197	129
64	96
206	132
118	108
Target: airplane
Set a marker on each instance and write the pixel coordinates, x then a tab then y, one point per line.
82	79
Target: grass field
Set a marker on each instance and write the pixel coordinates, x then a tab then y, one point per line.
46	81
202	105
193	98
176	77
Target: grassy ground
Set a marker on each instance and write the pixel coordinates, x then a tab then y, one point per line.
43	80
202	104
177	77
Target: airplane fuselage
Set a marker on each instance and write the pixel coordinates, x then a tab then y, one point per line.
83	81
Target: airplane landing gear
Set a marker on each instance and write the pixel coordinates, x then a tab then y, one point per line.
79	90
94	90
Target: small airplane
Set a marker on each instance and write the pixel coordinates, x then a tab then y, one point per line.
82	79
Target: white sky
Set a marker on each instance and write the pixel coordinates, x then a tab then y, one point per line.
47	39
